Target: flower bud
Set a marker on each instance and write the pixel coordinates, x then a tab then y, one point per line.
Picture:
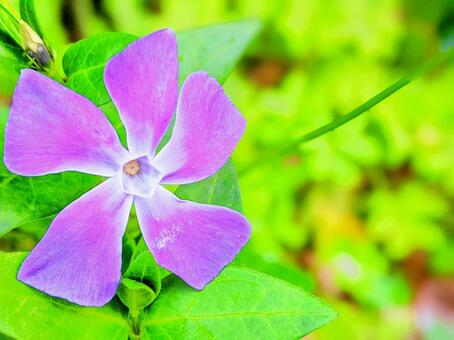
34	45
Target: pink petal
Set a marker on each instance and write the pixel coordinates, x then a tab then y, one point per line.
53	129
194	241
79	258
143	83
207	129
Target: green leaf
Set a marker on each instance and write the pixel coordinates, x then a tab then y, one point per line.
135	295
275	266
28	14
9	24
27	199
239	304
141	282
222	188
11	45
84	64
215	49
143	267
26	313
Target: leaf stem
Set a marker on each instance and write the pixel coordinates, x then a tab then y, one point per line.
337	122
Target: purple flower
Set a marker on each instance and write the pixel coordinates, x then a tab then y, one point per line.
53	129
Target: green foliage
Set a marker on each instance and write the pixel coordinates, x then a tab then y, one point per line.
239	304
354	207
10	44
276	267
416	213
259	306
220	189
266	307
84	64
28	14
135	295
141	283
9	23
26	313
213	49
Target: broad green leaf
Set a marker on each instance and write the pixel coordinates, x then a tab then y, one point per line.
239	304
27	199
28	14
215	49
26	313
219	189
84	64
275	266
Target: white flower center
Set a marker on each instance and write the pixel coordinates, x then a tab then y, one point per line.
140	177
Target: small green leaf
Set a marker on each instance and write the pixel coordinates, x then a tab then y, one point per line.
28	14
141	281
135	295
26	313
239	304
128	246
222	188
143	268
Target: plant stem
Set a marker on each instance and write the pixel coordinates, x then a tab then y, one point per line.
335	123
134	316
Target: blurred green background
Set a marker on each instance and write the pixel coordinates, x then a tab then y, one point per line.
363	216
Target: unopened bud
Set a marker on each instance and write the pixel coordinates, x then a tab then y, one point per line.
34	45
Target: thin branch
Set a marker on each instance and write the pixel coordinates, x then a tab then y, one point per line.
337	122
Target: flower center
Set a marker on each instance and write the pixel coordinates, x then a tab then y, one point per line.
132	168
140	177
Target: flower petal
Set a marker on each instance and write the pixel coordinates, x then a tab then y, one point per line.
194	241
53	129
207	129
143	83
79	258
